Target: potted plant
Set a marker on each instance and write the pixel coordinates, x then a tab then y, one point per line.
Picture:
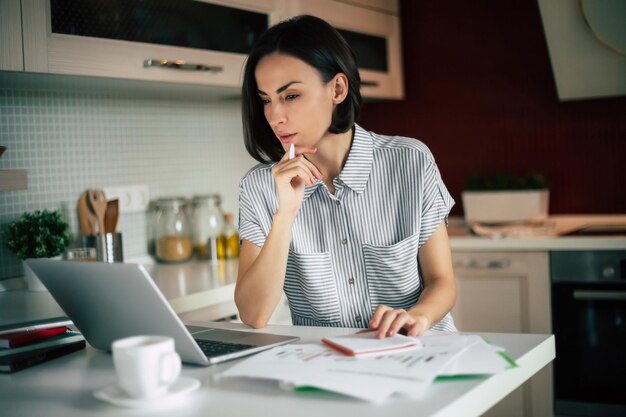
40	234
505	198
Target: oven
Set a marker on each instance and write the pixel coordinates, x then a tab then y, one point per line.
589	324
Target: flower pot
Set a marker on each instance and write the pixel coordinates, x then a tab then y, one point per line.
505	206
32	282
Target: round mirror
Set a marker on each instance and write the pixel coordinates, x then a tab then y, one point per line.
607	21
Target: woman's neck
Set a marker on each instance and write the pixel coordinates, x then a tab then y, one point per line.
332	153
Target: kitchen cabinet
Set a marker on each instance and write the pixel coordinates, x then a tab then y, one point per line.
374	36
202	42
507	292
11	58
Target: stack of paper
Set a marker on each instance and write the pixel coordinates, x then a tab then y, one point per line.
374	377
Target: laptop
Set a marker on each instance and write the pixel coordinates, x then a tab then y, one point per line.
111	301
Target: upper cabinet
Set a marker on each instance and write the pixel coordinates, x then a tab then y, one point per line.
11	54
197	42
372	28
193	42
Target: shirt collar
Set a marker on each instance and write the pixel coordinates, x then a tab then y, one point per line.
356	171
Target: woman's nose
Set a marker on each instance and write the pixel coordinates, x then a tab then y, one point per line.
276	114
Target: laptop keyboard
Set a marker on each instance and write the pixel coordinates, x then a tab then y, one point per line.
212	348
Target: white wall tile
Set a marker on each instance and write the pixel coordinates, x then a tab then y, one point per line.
71	137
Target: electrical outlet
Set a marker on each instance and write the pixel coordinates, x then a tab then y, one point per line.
132	198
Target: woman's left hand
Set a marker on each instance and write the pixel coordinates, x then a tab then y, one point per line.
389	321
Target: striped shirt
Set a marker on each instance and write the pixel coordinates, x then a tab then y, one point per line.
357	248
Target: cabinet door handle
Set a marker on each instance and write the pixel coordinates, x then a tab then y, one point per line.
182	65
485	263
365	83
599	295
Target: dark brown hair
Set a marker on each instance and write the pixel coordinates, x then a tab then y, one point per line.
315	42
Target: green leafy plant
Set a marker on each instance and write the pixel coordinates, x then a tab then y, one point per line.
502	182
40	234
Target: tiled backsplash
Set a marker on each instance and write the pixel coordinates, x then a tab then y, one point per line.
73	133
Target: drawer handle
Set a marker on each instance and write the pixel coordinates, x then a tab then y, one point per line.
365	83
485	263
599	295
182	65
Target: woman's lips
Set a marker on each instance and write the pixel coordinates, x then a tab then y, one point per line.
286	138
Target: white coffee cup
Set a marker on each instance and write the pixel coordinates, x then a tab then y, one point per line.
145	365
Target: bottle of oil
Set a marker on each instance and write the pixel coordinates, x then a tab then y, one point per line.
232	237
208	220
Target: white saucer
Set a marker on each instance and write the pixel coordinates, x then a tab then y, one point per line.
179	388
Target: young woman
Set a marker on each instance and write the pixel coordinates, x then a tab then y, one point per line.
353	227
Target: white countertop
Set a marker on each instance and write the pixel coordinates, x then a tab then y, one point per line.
195	284
64	387
187	286
198	284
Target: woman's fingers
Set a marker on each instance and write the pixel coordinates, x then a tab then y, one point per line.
296	166
378	315
285	165
392	322
403	319
388	321
313	169
290	171
419	326
385	322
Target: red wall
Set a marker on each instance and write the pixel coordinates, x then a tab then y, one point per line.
480	93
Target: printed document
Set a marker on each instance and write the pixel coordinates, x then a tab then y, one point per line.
374	377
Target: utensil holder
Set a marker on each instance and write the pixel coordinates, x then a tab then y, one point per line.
109	247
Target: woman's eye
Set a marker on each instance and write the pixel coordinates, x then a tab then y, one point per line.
291	96
265	101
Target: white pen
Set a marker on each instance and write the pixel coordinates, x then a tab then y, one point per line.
292	151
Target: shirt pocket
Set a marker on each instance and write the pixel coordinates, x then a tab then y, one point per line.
393	273
311	288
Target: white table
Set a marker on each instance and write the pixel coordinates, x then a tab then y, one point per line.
63	387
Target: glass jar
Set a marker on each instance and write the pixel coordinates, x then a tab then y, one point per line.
208	227
172	230
232	237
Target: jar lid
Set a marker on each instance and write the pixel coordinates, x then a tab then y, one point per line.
173	202
207	199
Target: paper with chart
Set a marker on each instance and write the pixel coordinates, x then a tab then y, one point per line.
372	378
479	359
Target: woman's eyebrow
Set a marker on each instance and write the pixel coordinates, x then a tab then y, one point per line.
281	89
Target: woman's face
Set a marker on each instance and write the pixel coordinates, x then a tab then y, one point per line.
297	104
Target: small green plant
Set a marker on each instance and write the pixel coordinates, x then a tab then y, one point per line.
40	234
502	182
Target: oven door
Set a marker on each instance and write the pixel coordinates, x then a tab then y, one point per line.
589	322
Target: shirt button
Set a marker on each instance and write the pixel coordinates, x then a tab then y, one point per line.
351	281
344	241
337	203
358	319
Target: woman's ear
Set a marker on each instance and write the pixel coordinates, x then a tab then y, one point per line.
339	84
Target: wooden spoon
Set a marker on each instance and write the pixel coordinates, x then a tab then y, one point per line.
111	216
98	204
86	219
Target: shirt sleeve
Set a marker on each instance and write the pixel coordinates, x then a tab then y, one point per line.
436	202
249	225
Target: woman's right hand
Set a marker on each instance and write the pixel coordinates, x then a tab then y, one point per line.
291	175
